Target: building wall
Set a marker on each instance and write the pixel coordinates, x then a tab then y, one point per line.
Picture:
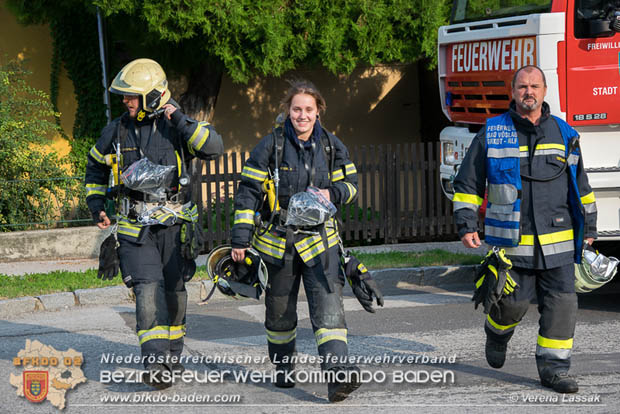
33	46
378	105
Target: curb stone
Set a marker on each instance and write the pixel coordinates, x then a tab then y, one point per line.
198	290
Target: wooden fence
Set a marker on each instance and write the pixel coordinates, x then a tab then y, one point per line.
399	197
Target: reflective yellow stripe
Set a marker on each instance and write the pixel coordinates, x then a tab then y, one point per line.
337	175
500	327
467	198
350	169
352	192
190	214
550	146
157	332
200	135
244	217
128	229
555	343
92	189
324	335
254	174
362	268
523	148
560	236
177	332
588	198
178	163
283	337
527	240
94	152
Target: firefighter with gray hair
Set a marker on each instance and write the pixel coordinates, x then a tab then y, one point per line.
141	161
540	211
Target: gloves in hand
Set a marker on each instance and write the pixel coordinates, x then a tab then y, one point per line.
363	285
108	259
493	281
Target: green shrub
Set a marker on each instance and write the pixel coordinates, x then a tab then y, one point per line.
26	163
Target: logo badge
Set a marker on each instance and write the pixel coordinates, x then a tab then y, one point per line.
35	385
141	115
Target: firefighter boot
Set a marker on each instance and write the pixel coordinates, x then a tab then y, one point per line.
157	376
560	382
495	353
285	375
345	382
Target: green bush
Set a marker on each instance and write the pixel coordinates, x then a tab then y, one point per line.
26	164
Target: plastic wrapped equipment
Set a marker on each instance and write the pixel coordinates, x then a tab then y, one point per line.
309	209
148	177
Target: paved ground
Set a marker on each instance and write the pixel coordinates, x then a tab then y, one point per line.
422	322
46	266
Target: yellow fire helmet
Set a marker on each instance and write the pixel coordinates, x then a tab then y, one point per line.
144	78
247	279
594	271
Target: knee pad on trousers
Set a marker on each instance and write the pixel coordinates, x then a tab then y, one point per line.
177	305
151	305
558	316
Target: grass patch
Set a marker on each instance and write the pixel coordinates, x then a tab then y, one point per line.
434	257
36	284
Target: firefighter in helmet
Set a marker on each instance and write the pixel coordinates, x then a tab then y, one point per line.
157	235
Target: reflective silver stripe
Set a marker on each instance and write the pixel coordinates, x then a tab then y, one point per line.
350	169
457	205
573	159
520	251
499	329
254	173
523	154
244	216
553	352
337	175
281	337
503	152
352	192
128	229
324	335
590	208
502	193
550	151
513	216
200	135
94	152
95	189
501	232
557	248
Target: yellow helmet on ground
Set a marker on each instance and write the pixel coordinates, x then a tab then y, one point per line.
594	271
144	78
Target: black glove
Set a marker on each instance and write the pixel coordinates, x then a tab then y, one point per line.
493	282
192	240
363	285
108	259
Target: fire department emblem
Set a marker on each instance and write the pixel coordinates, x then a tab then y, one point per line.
35	385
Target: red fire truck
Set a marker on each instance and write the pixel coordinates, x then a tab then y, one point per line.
577	45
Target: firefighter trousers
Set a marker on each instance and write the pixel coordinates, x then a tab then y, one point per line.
323	288
554	290
156	268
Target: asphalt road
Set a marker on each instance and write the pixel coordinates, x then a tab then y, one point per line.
417	322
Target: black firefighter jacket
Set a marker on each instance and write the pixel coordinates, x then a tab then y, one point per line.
160	140
545	215
295	170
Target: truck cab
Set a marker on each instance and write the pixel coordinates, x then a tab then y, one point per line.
577	45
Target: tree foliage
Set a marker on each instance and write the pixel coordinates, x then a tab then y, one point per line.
269	37
26	124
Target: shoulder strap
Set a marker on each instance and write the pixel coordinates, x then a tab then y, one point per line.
327	143
277	144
